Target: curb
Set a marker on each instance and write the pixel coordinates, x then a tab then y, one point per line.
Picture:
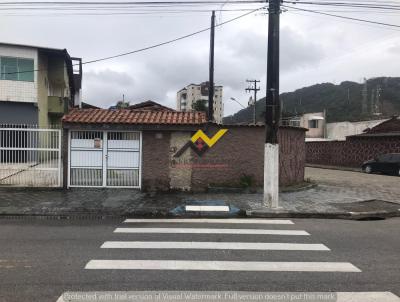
372	215
164	213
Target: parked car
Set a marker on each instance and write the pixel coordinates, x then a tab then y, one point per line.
385	163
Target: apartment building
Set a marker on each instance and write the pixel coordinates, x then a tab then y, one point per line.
188	96
37	85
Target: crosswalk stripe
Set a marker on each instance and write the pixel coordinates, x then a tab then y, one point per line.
213	245
211	231
207	208
207	296
222	265
211	220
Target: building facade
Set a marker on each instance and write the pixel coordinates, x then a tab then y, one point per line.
352	152
190	95
37	85
157	150
314	122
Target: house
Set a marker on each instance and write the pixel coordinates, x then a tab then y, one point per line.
340	130
352	152
150	105
37	84
187	97
314	122
164	149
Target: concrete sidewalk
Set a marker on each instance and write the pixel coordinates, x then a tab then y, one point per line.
321	201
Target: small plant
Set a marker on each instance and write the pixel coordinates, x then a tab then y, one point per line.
246	181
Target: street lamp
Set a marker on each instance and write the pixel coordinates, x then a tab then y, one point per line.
233	99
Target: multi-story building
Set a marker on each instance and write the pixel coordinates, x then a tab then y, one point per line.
187	98
37	85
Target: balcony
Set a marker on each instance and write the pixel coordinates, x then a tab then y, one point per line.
57	105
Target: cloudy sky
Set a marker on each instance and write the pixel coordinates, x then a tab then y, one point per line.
314	49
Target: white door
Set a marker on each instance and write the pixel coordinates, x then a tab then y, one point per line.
105	159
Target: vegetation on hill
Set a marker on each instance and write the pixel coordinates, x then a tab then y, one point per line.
348	101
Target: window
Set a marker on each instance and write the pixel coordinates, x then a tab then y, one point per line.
384	157
313	124
16	69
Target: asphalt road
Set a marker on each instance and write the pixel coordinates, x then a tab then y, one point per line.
42	259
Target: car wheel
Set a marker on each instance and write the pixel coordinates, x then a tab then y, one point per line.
368	169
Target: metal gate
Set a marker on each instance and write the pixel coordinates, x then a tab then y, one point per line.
104	159
30	157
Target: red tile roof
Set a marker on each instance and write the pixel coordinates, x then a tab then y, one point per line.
126	116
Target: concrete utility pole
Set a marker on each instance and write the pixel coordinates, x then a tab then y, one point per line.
272	114
255	89
211	71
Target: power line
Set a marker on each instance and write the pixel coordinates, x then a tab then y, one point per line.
152	46
138	3
342	17
347	4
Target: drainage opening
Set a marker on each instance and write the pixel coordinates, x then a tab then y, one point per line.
371	218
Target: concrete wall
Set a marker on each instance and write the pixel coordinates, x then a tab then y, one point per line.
19	91
352	152
339	131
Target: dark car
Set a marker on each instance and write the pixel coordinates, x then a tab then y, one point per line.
385	163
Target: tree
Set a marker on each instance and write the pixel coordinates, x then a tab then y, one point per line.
122	105
200	105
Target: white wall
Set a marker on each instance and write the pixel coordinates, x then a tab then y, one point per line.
19	91
339	131
313	132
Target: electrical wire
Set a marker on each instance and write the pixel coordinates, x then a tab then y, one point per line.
343	17
152	46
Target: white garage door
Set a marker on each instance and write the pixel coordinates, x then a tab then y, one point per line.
105	159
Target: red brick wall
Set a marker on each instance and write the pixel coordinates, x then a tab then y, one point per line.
241	152
352	152
155	160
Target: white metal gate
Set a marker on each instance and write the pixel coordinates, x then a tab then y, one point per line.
30	157
104	159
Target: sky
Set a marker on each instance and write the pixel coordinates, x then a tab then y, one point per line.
314	49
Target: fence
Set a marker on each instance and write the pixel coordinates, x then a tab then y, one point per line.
30	156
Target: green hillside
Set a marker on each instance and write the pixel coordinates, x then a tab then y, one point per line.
343	102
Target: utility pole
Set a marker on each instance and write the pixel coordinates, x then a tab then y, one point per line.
255	89
211	71
272	114
364	105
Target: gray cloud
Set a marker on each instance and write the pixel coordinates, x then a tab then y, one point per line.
309	46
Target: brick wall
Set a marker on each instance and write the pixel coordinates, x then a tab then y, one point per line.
239	152
352	152
155	160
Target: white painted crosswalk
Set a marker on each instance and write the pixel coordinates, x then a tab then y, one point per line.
210	220
272	235
227	296
249	266
214	265
211	231
214	245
